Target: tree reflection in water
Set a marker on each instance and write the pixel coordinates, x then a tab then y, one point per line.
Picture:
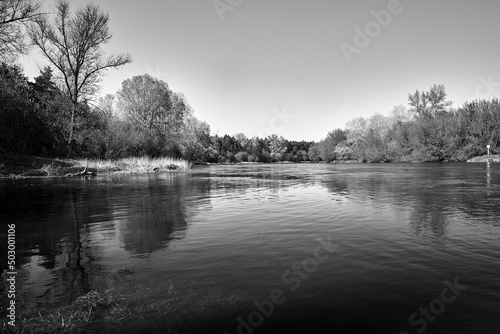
63	224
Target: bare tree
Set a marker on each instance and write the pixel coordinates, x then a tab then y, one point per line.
14	15
73	45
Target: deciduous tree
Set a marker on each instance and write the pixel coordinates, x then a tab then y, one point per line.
14	15
429	104
73	45
146	102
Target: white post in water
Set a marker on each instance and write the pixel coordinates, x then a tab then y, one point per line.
488	147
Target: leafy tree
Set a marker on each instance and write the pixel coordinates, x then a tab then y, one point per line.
295	150
418	102
336	136
242	140
429	104
329	144
343	151
72	44
277	147
27	112
150	105
480	126
400	114
53	107
229	145
165	118
14	108
357	130
180	111
400	141
241	156
437	100
146	102
315	153
258	150
195	138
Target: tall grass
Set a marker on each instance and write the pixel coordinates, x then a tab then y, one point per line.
161	308
13	166
136	164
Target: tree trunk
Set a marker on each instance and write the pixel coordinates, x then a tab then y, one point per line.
192	155
71	129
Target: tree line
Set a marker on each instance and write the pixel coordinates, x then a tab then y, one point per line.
144	117
427	130
56	115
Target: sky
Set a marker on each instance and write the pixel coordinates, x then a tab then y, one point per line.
302	68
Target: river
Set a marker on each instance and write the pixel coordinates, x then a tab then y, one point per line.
312	248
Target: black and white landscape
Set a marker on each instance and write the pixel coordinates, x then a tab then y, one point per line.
240	167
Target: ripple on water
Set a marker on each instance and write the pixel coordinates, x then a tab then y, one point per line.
398	231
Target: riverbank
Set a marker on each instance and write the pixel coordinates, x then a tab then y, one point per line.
486	158
19	166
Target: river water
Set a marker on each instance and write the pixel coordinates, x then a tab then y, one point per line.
308	248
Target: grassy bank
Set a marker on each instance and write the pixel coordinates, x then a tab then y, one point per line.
162	308
30	166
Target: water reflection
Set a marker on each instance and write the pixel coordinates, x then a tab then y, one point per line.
79	235
432	195
66	228
488	178
154	215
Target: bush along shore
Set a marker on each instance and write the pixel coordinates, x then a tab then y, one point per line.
30	166
486	158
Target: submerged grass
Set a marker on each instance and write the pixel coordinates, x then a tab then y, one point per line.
163	308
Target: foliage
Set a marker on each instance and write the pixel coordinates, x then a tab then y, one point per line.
162	121
432	133
32	114
146	102
146	119
429	104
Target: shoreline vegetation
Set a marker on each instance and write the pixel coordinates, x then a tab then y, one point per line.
486	158
23	166
133	308
35	121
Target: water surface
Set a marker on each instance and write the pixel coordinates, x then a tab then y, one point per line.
397	233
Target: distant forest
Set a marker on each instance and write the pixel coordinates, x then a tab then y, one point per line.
56	114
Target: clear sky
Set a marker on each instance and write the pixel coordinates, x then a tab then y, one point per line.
242	64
